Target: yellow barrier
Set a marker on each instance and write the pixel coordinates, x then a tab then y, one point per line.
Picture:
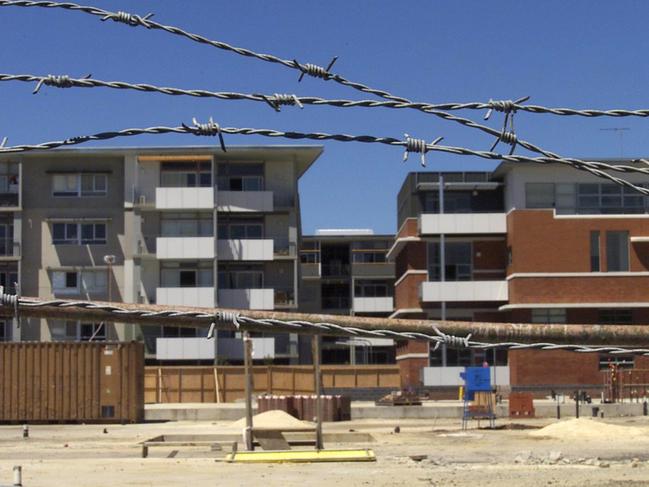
301	456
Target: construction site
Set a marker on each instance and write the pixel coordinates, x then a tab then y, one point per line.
306	311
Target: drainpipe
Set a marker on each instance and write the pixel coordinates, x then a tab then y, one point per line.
442	258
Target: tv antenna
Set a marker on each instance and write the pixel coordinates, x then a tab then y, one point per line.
620	132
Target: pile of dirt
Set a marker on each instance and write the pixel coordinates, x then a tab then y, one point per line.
586	428
274	419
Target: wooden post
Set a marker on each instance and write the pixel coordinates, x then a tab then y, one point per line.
247	362
318	391
180	384
216	385
159	381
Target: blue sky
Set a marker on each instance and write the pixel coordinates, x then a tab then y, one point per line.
579	54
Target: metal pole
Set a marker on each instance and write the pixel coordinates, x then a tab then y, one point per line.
18	476
442	260
315	341
247	362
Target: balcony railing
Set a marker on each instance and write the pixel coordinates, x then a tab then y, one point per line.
335	302
284	248
284	297
335	270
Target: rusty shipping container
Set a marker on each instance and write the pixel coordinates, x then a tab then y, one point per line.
71	382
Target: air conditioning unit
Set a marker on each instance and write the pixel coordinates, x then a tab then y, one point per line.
143	199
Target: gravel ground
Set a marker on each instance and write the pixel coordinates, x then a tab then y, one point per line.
80	455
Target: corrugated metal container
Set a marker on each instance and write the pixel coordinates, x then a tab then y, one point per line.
71	382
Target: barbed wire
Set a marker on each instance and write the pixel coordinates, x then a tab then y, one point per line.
227	319
410	144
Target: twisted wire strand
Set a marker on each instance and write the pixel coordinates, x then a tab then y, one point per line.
596	168
221	318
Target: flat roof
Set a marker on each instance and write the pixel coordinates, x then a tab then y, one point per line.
303	155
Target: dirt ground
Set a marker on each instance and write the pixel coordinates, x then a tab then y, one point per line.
80	455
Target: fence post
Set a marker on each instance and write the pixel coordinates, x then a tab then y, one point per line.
159	383
180	384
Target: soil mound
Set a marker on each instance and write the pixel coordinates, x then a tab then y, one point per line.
273	419
584	428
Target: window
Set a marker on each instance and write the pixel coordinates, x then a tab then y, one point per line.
95	281
370	252
458	261
240	230
241	177
179	332
5	331
454	202
74	185
78	331
79	233
617	251
593	198
372	289
594	252
187	225
539	195
8	280
187	274
185	175
615	316
241	279
549	315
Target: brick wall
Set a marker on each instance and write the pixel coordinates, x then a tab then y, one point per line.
406	292
542	243
600	289
553	367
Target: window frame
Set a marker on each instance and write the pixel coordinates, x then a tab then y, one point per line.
78	191
78	238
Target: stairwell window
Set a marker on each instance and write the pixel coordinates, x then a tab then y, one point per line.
617	251
594	252
75	185
79	233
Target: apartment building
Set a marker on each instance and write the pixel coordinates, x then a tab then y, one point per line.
186	226
345	272
526	243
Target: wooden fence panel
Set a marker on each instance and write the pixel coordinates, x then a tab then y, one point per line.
227	383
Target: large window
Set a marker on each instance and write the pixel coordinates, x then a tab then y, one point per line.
240	177
372	289
74	282
241	279
187	274
617	251
594	198
594	252
615	316
458	261
539	195
370	251
75	185
549	315
78	331
186	225
5	331
240	230
185	175
79	233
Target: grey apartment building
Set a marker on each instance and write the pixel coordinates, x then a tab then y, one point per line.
345	272
186	226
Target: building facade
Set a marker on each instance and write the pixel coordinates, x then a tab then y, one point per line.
346	272
524	244
185	226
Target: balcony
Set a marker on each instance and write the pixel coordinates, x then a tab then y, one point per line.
463	291
310	270
202	297
245	201
462	223
247	298
203	349
373	305
184	198
185	247
284	298
335	270
245	249
373	269
335	302
284	248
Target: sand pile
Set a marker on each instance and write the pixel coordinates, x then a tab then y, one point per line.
273	419
585	428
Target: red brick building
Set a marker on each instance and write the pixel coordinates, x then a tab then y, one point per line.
525	243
